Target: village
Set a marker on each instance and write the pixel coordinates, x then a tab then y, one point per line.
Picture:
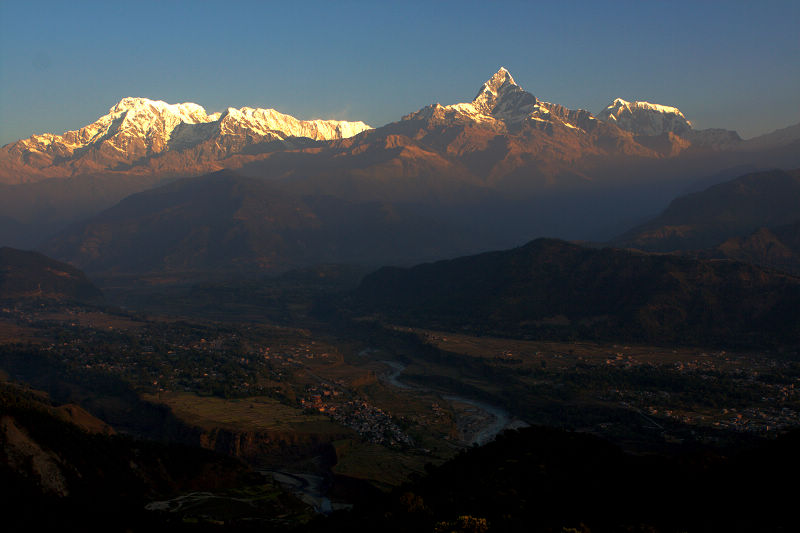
725	391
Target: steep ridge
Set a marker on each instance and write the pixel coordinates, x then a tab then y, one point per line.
56	475
508	140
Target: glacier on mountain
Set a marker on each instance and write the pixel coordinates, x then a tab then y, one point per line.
501	103
644	118
135	128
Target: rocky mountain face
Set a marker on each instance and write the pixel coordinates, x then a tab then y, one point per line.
505	139
649	122
60	468
138	133
500	104
644	118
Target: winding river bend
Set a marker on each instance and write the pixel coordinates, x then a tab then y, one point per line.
309	488
497	419
312	489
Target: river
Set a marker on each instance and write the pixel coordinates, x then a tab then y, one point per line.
309	488
497	419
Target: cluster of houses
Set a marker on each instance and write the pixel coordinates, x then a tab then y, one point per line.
372	423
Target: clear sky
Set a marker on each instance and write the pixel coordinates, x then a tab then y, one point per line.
729	64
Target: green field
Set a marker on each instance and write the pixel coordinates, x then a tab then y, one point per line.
243	414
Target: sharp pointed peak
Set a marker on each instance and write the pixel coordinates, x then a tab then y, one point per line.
501	83
500	78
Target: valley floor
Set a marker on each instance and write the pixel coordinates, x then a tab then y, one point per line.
361	407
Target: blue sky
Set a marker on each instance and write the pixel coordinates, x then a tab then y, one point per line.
725	64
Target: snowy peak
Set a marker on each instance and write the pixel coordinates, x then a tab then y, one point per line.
500	83
271	122
503	99
500	78
644	118
500	103
188	112
145	113
136	129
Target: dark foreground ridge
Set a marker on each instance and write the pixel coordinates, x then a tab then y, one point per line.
545	480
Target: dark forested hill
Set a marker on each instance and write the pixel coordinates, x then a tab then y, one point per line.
551	288
56	475
777	248
544	480
31	275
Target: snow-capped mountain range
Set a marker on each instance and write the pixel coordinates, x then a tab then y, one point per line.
139	128
501	103
644	118
143	136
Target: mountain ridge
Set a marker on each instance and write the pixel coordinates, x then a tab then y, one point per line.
139	128
504	146
549	288
140	135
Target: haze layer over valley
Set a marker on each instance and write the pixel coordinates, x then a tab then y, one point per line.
492	173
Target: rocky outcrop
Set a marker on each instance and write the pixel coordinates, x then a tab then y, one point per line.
268	449
24	455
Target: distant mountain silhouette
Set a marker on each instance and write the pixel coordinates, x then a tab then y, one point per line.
32	276
556	289
728	210
224	221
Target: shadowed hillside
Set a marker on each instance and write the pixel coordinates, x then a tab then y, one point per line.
223	221
551	288
30	275
732	209
544	480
